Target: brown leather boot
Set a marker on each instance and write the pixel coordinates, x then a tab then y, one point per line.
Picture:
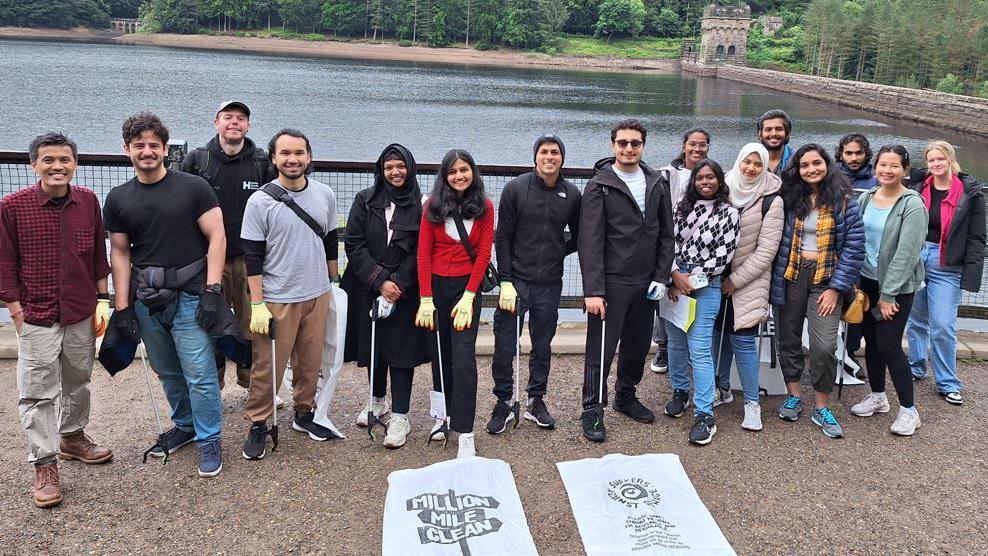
79	446
47	492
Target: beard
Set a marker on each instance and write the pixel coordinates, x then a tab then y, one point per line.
782	144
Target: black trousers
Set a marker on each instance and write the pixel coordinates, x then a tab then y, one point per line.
883	345
459	351
629	321
541	303
401	386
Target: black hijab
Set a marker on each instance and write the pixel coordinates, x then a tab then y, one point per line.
408	194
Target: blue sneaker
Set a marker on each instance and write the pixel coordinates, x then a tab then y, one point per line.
175	438
823	418
791	408
210	459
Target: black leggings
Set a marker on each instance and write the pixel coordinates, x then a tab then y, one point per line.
883	345
401	386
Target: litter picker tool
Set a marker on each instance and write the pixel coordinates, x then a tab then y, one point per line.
600	386
439	401
162	441
372	420
840	360
720	344
273	432
516	407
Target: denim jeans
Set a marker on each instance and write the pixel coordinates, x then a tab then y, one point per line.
181	353
695	347
744	350
932	326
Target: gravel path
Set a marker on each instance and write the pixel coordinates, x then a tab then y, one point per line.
787	489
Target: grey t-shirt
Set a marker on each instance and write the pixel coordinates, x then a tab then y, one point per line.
294	258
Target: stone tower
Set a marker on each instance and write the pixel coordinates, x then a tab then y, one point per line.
724	34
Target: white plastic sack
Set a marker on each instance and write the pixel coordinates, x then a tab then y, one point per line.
461	506
639	505
769	373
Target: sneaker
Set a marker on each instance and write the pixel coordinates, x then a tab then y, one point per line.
593	424
752	416
437	434
210	459
703	430
174	439
500	417
633	408
398	429
874	402
467	448
303	423
381	407
257	438
538	413
660	361
823	418
906	422
791	408
723	396
678	404
280	403
953	397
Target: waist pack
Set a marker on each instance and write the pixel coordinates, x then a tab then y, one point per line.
156	286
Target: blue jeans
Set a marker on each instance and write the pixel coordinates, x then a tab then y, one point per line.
744	350
181	353
932	325
695	347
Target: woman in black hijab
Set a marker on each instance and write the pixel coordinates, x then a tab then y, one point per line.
381	241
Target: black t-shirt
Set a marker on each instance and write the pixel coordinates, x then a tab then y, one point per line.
161	219
933	230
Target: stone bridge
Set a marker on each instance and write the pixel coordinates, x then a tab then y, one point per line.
123	25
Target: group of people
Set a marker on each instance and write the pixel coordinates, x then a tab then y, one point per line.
242	238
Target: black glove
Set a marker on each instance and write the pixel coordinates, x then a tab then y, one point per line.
126	322
210	305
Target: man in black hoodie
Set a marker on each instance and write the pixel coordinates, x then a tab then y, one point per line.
534	211
626	250
235	168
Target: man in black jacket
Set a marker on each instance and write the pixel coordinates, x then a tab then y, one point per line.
235	168
626	250
535	210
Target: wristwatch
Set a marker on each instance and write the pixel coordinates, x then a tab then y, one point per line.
214	288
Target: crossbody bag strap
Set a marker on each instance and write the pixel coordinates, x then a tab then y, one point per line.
282	196
462	230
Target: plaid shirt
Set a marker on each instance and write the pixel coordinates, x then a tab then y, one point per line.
51	256
826	241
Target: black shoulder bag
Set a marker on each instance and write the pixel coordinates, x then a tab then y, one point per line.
282	196
491	278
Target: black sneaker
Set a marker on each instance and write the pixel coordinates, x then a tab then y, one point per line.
678	404
593	424
634	409
704	429
660	361
175	439
500	417
538	413
303	423
257	437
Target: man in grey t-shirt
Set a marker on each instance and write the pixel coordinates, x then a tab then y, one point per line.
289	286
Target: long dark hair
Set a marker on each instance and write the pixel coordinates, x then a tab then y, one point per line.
680	160
692	195
833	191
444	202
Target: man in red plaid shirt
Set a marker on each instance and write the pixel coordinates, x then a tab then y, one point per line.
53	271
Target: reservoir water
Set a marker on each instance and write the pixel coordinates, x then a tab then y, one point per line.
352	109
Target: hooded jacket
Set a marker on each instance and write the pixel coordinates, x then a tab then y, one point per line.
234	179
864	178
617	243
900	268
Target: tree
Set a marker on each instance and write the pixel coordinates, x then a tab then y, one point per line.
554	16
489	21
344	17
665	23
582	16
170	16
620	18
521	27
301	13
950	84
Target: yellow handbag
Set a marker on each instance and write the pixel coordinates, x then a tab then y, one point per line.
856	309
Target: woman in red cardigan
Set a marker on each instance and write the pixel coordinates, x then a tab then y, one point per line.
449	282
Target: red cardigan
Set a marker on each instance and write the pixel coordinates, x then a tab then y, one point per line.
442	255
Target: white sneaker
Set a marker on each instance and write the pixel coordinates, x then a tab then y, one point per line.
398	429
872	403
467	448
752	416
906	422
279	403
381	407
435	433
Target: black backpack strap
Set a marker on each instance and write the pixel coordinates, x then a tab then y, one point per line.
767	203
261	163
462	230
282	196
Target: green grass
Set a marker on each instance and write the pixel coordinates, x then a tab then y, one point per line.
639	49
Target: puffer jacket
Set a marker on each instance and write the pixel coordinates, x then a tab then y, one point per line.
850	253
751	270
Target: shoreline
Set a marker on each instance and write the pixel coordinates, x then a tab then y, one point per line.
352	50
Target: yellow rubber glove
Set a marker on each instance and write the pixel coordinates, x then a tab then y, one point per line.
101	317
426	315
507	300
463	311
260	318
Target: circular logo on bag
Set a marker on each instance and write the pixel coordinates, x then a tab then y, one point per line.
633	491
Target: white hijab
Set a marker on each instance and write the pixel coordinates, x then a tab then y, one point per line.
743	190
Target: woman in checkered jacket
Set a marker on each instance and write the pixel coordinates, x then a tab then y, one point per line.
707	227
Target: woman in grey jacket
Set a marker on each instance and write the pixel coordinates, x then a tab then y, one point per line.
895	223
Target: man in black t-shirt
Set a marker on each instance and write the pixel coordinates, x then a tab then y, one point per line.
162	219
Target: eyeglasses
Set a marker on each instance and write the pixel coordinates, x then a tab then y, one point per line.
695	145
623	143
